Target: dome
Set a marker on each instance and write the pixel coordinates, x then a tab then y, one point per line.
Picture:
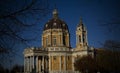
55	23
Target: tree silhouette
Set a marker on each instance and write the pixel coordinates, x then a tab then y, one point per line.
18	19
17	68
105	61
108	60
86	64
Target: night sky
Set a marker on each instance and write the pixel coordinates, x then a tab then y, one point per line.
93	12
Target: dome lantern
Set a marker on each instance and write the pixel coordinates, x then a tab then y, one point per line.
55	22
55	13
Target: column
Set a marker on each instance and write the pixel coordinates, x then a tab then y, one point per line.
43	63
27	66
30	63
49	63
60	63
24	64
46	63
36	63
73	62
65	63
33	62
61	39
40	64
68	43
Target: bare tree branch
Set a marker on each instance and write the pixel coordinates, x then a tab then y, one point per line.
15	26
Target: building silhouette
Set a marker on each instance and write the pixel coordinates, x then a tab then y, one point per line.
56	54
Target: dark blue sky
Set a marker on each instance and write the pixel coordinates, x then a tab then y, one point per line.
94	14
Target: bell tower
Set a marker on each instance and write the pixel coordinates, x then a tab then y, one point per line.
81	36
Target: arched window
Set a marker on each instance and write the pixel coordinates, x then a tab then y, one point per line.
68	57
79	38
64	42
54	41
84	38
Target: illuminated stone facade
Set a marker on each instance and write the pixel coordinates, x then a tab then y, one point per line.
56	54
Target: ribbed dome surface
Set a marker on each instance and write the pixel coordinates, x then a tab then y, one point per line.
55	24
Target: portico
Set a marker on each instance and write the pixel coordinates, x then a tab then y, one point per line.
47	62
36	63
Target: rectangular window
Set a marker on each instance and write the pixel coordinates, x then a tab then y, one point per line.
54	41
54	57
46	41
68	57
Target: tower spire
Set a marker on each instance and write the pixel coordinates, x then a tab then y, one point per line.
81	36
81	22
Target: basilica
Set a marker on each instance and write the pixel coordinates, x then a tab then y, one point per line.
56	54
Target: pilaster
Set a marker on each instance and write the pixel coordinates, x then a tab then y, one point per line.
60	62
73	60
65	63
